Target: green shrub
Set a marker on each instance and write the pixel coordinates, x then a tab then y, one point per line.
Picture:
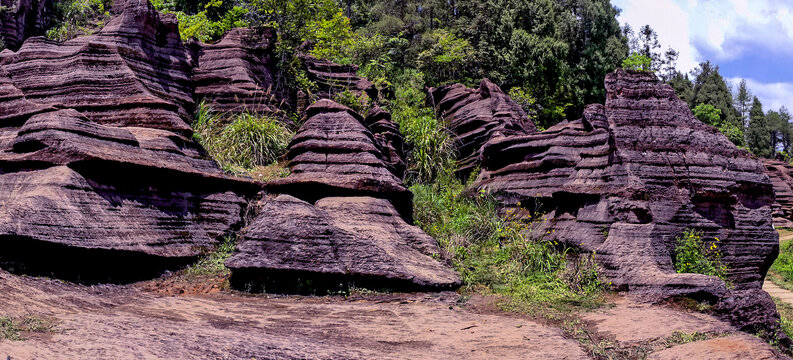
637	62
431	150
72	17
360	104
503	255
445	56
695	255
240	142
202	25
214	262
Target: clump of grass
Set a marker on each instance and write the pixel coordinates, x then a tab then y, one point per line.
504	256
214	262
784	262
12	329
242	142
694	254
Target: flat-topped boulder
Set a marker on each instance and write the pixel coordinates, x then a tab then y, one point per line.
100	179
474	116
294	246
629	178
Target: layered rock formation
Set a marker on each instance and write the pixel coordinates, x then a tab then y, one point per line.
335	154
237	74
475	116
627	179
100	179
332	78
343	221
781	174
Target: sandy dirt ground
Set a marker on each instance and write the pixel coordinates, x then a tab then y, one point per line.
131	322
161	320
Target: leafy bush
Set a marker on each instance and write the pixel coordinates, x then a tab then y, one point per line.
360	104
72	17
445	56
210	23
710	115
695	255
240	142
526	101
503	255
637	62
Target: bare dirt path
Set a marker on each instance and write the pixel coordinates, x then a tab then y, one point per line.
125	322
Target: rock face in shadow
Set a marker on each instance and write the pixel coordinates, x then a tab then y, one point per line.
237	74
781	174
96	156
475	116
343	218
23	19
627	179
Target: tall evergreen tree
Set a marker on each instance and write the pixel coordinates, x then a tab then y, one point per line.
758	134
710	88
743	102
683	86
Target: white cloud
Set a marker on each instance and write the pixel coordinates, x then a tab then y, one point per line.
724	29
773	95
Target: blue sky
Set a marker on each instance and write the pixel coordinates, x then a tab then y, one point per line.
748	39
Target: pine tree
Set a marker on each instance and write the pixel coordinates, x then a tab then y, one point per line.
710	88
743	102
758	134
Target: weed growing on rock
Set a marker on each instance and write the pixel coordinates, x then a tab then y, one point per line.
214	262
240	142
637	62
694	254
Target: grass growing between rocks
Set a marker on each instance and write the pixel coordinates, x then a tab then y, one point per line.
213	263
12	329
241	143
499	256
697	255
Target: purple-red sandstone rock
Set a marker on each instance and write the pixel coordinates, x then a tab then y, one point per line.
630	177
332	78
96	159
475	116
237	74
335	154
781	174
294	246
22	19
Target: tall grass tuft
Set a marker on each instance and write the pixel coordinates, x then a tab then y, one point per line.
240	142
502	254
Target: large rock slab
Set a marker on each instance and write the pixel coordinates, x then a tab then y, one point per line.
294	246
99	177
332	78
628	178
22	19
474	116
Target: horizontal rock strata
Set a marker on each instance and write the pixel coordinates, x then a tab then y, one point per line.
96	158
781	174
474	116
627	179
345	219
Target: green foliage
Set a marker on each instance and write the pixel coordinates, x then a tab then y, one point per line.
784	262
12	329
637	62
240	142
710	88
210	23
331	36
214	262
72	18
526	101
360	104
431	151
695	255
503	255
445	57
707	114
758	133
785	317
